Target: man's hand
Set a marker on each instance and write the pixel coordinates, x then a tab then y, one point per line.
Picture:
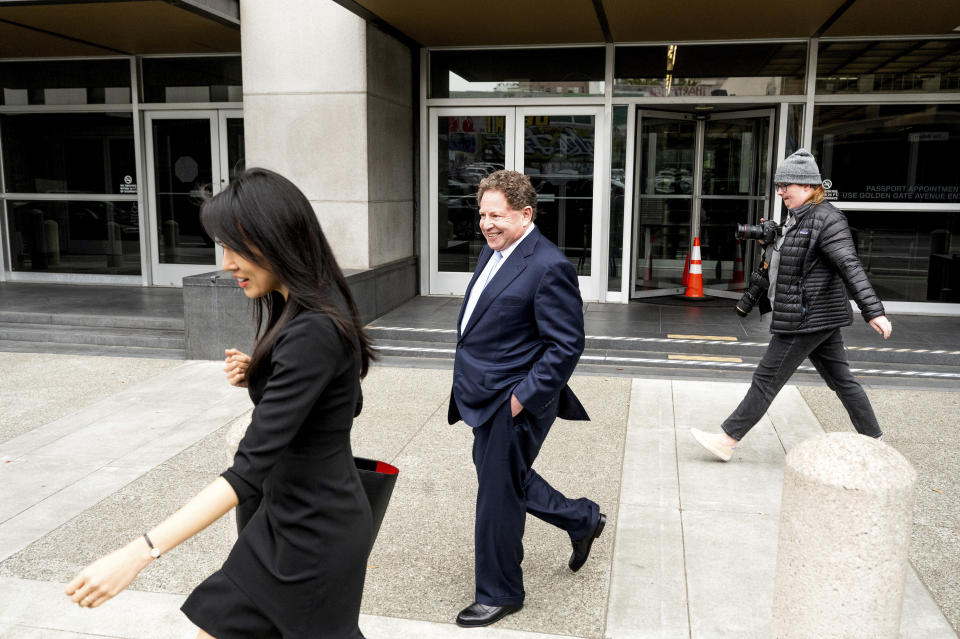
515	405
882	326
235	366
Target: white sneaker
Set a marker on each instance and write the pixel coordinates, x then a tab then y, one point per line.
714	443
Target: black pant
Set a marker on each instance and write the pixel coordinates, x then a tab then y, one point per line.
784	354
504	449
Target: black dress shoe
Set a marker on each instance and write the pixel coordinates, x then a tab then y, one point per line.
478	614
581	547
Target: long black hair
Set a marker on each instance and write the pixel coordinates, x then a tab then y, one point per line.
267	220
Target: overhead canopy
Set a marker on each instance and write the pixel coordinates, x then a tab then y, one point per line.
433	23
45	29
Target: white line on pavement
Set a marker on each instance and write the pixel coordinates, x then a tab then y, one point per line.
670	340
701	364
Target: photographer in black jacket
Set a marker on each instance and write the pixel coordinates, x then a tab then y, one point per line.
814	265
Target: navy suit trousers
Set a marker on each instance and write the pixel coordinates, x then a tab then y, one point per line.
504	449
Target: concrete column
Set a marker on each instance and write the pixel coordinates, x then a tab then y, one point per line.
327	102
845	522
390	152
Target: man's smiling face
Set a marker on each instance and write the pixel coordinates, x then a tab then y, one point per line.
501	224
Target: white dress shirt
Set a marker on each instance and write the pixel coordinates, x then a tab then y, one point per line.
486	275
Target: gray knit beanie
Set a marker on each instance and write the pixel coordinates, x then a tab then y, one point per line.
799	168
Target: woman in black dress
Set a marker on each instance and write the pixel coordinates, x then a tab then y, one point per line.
297	569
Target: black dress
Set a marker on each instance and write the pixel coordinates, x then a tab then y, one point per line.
298	566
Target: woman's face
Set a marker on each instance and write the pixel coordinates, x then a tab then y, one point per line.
255	280
795	195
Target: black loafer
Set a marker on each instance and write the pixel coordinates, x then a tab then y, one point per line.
581	547
478	614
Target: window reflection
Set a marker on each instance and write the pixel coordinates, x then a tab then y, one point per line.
74	237
876	66
617	190
469	148
710	70
69	153
65	82
183	173
889	153
209	79
558	158
517	72
663	239
909	256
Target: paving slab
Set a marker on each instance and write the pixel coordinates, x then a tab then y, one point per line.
648	591
58	470
688	539
36	389
41	605
731	560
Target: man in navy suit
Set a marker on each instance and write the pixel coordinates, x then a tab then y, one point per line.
520	334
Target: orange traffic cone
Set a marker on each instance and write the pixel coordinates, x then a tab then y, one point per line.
695	279
686	270
738	266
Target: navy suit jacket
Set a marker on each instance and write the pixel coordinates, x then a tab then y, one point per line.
524	337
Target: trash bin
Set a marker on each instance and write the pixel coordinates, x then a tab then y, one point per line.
378	479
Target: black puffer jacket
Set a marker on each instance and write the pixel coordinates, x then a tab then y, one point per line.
818	266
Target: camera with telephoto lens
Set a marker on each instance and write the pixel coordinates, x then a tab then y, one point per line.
759	282
767	231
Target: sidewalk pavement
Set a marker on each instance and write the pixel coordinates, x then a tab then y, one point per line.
689	549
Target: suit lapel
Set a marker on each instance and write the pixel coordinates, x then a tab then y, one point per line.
511	268
485	254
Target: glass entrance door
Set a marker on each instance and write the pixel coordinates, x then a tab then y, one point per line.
556	147
190	154
698	178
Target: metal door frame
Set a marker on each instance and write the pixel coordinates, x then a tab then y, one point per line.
764	198
697	194
173	274
590	284
638	172
455	283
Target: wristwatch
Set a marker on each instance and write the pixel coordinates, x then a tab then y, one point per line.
154	552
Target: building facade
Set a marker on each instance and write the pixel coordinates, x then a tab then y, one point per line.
642	129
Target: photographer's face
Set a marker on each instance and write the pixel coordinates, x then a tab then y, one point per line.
795	195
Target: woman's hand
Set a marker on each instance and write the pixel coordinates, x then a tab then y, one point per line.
106	577
882	326
236	364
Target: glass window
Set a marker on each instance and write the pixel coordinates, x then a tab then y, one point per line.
183	171
65	82
794	128
490	73
909	256
710	70
889	153
558	157
215	79
69	153
74	237
469	149
618	179
871	66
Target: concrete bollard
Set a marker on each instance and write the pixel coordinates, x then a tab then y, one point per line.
845	522
171	237
51	242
